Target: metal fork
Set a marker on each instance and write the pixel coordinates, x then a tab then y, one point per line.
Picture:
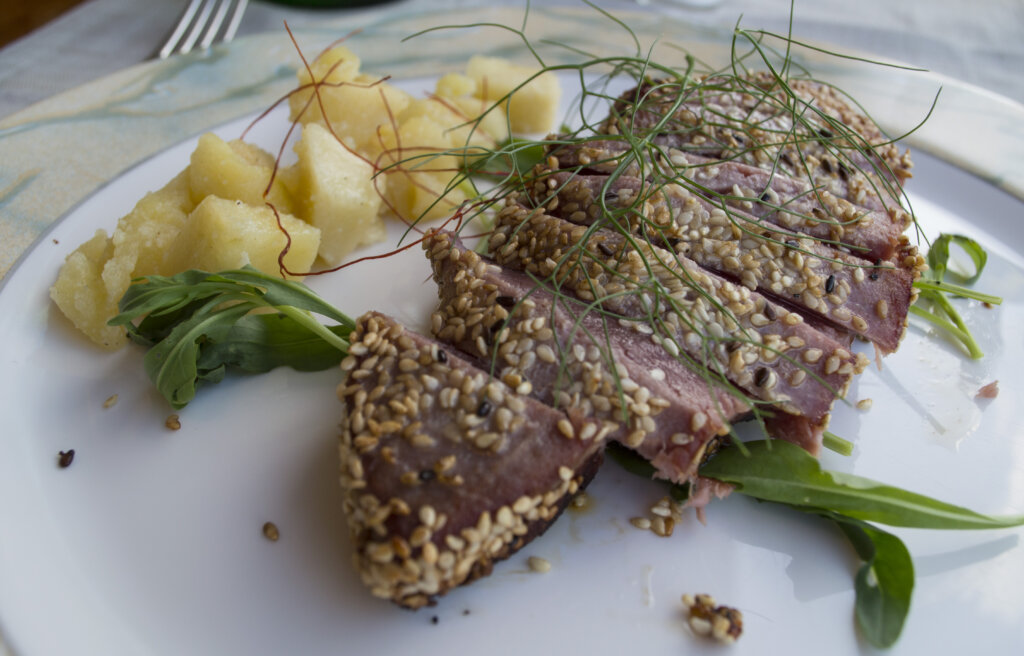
200	14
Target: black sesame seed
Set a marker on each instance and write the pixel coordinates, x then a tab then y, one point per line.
427	475
442	356
761	376
830	284
765	196
825	133
873	275
769	313
792	243
825	164
506	301
484	408
604	248
66	458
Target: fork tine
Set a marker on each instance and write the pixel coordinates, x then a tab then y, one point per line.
179	29
197	27
204	18
236	19
214	26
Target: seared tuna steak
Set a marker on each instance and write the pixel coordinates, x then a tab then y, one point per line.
767	194
578	359
445	469
760	346
868	300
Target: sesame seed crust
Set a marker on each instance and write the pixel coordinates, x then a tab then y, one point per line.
413	470
698	308
749	119
815	276
577	361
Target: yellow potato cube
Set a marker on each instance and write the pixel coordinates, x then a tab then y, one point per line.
533	107
463	136
144	235
227	234
80	294
235	170
337	64
336	193
419	169
96	275
455	85
354	109
491	118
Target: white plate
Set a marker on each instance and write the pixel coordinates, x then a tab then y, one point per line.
150	543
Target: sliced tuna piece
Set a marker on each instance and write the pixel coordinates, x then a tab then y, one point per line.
752	120
576	358
770	196
849	291
445	470
760	346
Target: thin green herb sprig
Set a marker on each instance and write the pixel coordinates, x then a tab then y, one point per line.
197	324
933	305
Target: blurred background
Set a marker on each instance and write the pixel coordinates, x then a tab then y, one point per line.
47	46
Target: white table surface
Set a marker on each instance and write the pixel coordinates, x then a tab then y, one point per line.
980	42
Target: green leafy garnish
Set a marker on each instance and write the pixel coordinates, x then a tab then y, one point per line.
884	583
833	442
932	304
783	472
197	324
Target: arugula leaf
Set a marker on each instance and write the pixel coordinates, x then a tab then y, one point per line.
197	324
783	472
884	583
932	289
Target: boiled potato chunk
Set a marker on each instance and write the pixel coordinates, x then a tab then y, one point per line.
457	91
337	194
338	64
464	136
354	109
235	170
455	85
96	275
419	169
80	294
533	108
227	234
